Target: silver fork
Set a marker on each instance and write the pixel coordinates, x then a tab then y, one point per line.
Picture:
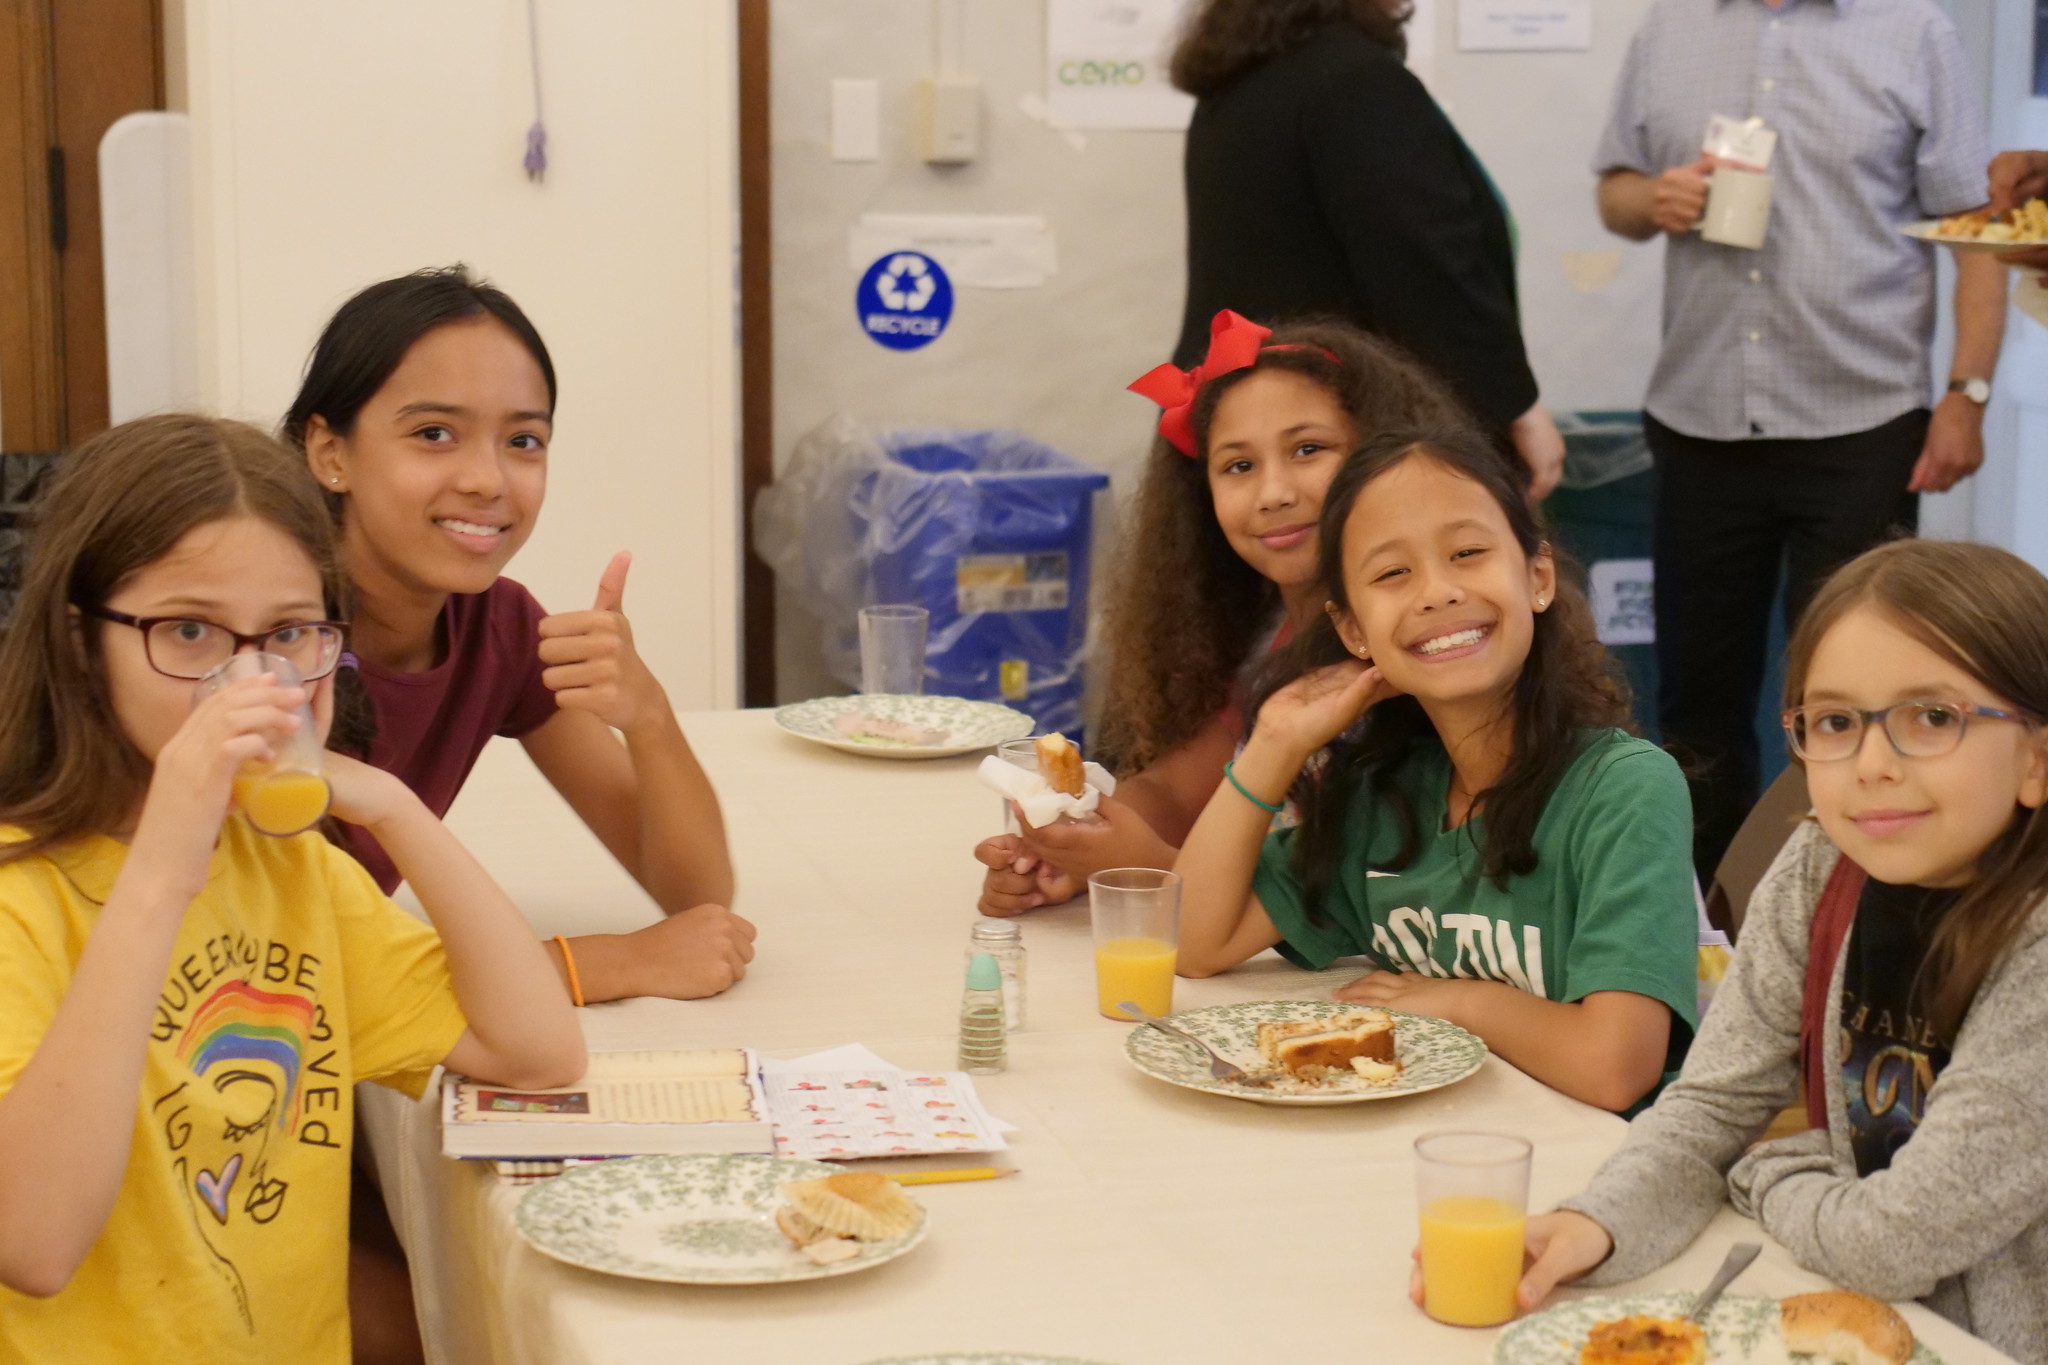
1219	1067
1738	1259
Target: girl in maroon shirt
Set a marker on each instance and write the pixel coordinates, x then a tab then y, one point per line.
425	415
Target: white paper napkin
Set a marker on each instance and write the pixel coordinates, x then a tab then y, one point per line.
1036	798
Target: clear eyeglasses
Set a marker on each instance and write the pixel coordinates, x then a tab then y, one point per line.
1916	729
188	647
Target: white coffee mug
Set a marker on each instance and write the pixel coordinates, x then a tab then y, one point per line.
1738	207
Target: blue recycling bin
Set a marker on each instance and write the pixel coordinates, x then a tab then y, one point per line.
991	533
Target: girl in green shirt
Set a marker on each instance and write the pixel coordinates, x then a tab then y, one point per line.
1481	830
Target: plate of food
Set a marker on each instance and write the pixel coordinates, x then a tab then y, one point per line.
2018	230
731	1219
1309	1052
896	726
1834	1327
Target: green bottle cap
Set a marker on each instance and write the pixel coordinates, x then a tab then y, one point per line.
983	974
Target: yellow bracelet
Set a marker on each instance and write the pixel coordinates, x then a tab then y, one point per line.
569	963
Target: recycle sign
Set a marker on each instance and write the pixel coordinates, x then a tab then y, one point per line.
904	301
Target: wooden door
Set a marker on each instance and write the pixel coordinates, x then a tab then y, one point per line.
67	71
757	350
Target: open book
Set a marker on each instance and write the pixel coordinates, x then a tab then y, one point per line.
627	1104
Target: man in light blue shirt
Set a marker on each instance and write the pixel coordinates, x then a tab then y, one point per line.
1789	409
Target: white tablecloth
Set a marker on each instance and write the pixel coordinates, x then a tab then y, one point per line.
1149	1226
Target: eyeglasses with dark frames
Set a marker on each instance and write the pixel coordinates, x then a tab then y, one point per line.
1916	729
190	647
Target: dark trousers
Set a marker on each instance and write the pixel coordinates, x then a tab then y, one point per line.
1729	515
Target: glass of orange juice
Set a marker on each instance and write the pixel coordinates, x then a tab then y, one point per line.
286	794
1136	914
1472	1192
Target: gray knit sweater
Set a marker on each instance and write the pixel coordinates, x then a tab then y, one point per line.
1960	1218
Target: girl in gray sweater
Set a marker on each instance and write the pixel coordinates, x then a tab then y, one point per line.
1918	687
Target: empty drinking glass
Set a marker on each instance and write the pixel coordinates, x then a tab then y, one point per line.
892	650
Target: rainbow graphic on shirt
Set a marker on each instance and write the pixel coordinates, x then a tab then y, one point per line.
240	1023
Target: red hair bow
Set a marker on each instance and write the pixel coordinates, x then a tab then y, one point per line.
1234	344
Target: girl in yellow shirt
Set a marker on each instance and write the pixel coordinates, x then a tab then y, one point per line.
188	1002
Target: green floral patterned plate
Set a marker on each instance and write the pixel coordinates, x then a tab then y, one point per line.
1433	1053
1742	1329
685	1219
892	726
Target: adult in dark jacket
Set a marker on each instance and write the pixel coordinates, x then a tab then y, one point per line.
1322	179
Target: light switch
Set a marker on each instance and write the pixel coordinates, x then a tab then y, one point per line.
856	120
950	110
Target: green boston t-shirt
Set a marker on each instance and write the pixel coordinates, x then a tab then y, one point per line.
1608	906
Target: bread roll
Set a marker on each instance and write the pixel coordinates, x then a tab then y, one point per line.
1846	1328
859	1204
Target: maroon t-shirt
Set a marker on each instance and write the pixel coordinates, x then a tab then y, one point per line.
431	726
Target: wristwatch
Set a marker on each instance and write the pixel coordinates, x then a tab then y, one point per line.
1978	391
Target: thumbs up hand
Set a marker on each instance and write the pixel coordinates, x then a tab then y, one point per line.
591	663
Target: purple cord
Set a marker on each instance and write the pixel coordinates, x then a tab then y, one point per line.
536	151
536	162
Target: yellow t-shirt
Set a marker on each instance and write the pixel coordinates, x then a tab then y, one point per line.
293	978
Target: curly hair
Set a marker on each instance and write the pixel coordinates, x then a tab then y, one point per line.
1185	611
1227	38
1569	687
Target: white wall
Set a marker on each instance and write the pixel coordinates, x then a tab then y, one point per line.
1053	361
1534	120
1049	361
2008	501
337	144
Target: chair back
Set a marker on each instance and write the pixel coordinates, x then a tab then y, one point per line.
1769	824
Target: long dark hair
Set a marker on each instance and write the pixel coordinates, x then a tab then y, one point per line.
1227	38
362	345
1185	610
1986	612
368	337
121	502
1568	688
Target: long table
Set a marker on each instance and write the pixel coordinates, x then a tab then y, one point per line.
1149	1225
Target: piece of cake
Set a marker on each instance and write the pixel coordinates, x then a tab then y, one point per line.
1845	1327
1314	1049
1642	1340
1059	763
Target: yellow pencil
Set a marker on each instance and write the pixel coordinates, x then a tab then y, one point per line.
957	1173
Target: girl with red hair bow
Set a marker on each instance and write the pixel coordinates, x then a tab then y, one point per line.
1218	562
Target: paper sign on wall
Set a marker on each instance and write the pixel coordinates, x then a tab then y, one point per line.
979	250
1525	25
1106	64
1624	607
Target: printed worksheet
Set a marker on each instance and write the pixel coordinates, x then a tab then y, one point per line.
836	1112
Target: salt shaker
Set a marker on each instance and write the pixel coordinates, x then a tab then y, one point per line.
983	1039
1001	940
